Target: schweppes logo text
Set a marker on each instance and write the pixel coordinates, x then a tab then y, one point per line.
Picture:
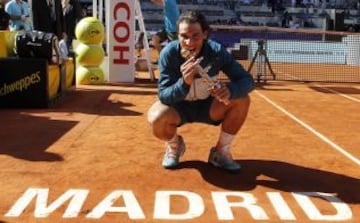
20	85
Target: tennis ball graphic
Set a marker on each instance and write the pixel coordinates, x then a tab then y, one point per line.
90	30
89	54
89	75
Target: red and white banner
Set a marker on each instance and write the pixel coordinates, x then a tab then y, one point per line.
120	26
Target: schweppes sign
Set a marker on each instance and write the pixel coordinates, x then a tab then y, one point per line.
20	85
23	83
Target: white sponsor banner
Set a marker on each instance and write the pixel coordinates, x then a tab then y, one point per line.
120	25
303	52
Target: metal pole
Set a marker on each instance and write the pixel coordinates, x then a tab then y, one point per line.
101	10
94	8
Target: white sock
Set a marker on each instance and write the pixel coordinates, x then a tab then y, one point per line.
224	143
174	141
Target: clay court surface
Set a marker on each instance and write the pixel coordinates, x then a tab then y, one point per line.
92	158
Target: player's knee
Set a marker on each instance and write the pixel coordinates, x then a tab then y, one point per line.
152	117
158	123
156	113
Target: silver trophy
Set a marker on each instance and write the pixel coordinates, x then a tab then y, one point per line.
203	72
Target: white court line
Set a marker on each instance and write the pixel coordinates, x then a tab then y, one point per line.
312	130
338	93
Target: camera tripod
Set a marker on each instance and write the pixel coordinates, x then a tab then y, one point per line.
262	61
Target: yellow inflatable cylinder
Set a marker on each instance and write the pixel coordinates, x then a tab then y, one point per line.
53	81
7	43
69	71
